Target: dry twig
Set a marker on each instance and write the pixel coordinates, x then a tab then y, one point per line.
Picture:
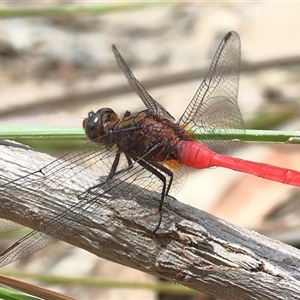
192	247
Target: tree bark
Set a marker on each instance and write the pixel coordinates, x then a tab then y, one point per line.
191	247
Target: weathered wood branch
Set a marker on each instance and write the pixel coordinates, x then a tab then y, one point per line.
192	247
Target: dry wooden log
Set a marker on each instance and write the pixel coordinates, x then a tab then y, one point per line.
192	247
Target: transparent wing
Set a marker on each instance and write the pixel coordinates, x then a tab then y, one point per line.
8	226
214	106
139	89
71	170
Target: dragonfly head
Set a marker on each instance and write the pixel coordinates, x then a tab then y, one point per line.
99	123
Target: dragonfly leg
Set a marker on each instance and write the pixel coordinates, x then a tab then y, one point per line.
153	167
112	172
114	167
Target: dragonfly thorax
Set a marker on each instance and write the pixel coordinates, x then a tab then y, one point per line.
148	135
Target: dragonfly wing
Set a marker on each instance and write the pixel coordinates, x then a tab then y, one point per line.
8	226
139	88
81	176
37	188
214	106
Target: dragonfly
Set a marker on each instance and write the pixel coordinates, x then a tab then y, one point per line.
146	150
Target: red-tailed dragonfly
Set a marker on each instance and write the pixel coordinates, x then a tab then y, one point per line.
148	149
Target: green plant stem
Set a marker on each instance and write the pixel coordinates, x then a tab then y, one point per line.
78	10
99	282
63	133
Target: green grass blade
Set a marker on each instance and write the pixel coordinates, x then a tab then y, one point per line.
262	136
8	294
63	133
40	133
104	283
78	10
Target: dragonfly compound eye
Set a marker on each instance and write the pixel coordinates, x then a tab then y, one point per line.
97	124
93	126
107	115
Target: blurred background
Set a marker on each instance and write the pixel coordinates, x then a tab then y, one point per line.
55	68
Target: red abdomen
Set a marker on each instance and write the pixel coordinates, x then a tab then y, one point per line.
193	154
